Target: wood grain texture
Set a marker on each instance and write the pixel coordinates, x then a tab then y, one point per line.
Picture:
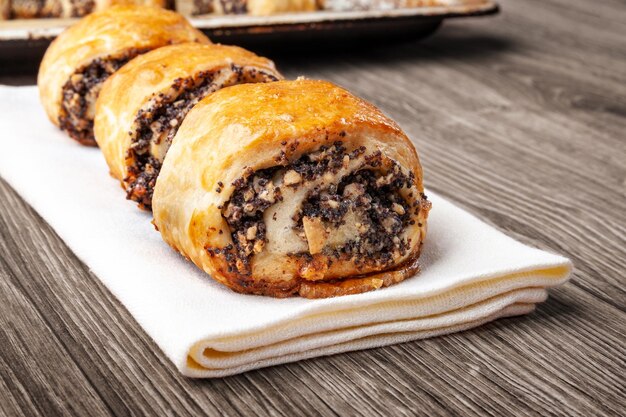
520	119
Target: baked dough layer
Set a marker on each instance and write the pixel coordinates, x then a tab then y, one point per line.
142	105
117	33
262	185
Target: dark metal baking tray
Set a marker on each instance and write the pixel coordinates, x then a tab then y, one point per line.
27	39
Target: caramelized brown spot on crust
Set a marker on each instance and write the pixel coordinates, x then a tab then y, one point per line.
320	289
357	285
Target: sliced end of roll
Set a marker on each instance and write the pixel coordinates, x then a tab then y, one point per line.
332	214
157	123
144	104
293	188
78	62
80	92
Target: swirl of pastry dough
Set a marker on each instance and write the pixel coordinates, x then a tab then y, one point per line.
293	187
142	105
80	59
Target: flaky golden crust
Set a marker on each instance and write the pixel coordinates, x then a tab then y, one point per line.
130	88
251	127
110	32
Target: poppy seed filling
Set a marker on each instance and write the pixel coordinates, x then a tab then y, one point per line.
365	205
156	123
80	92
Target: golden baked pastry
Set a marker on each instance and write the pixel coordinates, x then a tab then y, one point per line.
81	58
29	9
293	188
5	9
142	105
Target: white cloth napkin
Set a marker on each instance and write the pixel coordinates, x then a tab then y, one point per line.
471	273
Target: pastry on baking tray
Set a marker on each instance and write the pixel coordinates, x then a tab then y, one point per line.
29	9
293	188
86	54
142	105
103	4
352	5
269	7
253	7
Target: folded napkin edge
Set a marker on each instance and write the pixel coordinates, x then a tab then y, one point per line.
206	356
189	368
549	277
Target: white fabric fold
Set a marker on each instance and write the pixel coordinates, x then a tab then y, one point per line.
470	273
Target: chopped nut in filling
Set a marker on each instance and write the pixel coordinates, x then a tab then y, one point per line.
371	210
81	91
255	192
157	123
344	205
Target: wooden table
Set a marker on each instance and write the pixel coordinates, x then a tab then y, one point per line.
519	119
